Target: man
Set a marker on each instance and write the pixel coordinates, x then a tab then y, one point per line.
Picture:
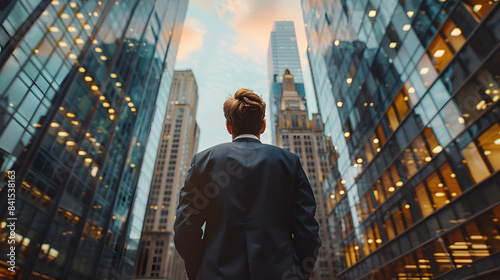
255	201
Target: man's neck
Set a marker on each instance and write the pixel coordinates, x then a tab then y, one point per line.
247	136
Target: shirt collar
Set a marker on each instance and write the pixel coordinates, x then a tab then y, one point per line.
247	136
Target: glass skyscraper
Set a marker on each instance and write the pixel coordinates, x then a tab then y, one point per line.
408	91
283	54
83	93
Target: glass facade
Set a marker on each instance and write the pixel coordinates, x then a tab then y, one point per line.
84	90
283	54
408	91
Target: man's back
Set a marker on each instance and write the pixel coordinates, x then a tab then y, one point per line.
252	197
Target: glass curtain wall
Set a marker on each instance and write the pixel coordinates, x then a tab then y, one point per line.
408	91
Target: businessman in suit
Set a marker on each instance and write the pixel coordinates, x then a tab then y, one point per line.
256	204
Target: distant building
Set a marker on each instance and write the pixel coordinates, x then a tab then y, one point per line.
83	93
304	137
409	92
157	257
283	54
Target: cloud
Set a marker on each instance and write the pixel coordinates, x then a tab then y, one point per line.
240	48
253	22
192	38
235	37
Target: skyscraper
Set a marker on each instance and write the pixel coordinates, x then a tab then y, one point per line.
305	137
84	93
283	54
157	257
409	92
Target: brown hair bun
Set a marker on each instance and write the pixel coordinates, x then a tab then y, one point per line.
245	112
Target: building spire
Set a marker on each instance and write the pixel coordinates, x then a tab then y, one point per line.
290	98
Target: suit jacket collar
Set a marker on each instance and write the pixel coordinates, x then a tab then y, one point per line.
245	139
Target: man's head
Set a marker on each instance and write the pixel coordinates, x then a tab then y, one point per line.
245	113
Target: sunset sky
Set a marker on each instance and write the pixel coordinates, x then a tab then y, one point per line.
224	43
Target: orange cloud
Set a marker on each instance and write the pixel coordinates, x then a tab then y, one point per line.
253	22
192	38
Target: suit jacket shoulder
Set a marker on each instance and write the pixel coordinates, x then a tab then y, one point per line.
223	148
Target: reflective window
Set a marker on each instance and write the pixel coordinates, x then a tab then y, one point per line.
437	190
489	143
351	252
397	220
479	8
475	163
472	241
365	206
440	52
371	239
347	225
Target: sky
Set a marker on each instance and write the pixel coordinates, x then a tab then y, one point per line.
224	43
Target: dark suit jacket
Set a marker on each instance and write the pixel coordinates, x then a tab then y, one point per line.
259	209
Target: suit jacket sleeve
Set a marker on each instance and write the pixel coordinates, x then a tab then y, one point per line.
304	226
188	223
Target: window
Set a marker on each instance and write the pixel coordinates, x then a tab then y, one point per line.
365	206
397	220
475	163
393	119
423	201
401	104
351	252
440	52
371	239
347	225
489	144
479	8
378	192
437	190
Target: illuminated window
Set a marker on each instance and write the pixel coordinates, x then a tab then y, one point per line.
430	139
368	152
453	34
401	102
450	182
436	191
440	53
351	252
371	239
475	163
381	135
479	8
426	71
439	189
423	201
489	144
397	220
379	193
388	186
389	226
408	163
393	119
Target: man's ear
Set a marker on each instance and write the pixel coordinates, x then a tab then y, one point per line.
228	127
263	127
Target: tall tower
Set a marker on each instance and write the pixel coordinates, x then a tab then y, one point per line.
157	257
283	54
84	86
411	99
304	137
